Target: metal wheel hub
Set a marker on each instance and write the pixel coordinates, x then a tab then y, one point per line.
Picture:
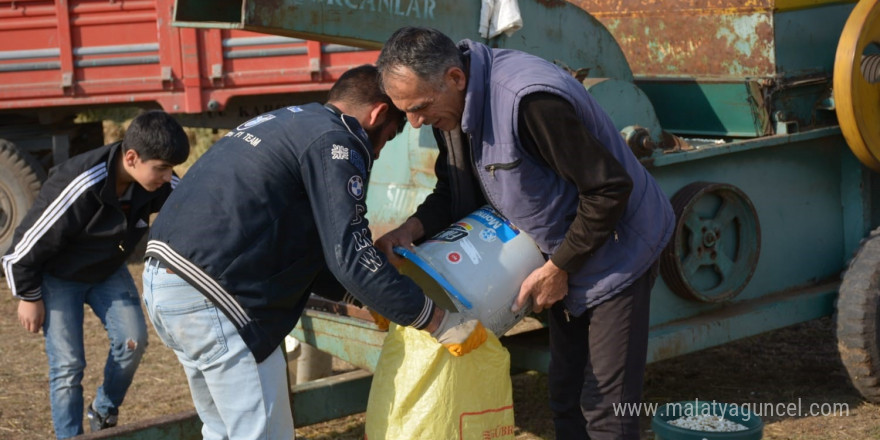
715	248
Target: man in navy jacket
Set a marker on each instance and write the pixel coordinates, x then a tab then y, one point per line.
270	213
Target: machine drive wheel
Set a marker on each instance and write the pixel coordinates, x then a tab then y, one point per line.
20	179
714	250
856	315
856	89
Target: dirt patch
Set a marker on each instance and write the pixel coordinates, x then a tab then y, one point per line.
793	366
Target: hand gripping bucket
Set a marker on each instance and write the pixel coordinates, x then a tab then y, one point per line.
478	264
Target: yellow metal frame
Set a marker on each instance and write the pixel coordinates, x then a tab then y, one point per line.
857	101
789	5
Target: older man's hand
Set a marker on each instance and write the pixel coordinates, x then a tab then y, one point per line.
545	285
403	236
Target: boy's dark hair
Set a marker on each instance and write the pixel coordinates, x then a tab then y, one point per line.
360	86
156	135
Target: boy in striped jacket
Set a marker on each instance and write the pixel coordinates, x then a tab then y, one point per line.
71	249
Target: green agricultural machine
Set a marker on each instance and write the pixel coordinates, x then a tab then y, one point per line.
759	119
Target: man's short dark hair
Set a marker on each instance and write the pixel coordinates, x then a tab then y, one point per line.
428	52
157	135
360	86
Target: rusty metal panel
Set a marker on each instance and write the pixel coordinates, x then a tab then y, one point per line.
722	38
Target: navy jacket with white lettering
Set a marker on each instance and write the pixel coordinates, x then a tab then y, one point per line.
259	219
76	229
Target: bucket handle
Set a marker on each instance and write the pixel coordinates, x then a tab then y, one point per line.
409	255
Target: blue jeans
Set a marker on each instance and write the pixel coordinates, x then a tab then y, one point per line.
236	397
115	302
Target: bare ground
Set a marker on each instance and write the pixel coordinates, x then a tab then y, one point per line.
781	368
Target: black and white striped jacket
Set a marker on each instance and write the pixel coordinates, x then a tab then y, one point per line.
76	229
274	211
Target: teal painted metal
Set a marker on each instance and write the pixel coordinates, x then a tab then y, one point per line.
529	351
806	39
575	39
716	243
857	202
708	107
626	104
796	188
740	321
401	179
181	426
376	19
726	324
354	340
331	397
707	151
801	105
739	107
567	35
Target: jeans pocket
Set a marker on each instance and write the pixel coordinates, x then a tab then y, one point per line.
168	280
193	330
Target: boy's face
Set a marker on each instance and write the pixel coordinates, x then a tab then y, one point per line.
150	174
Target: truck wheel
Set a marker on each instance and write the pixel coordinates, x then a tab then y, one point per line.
20	179
857	311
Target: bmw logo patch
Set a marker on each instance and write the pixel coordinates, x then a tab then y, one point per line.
356	187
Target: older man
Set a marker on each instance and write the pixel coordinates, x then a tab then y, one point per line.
523	135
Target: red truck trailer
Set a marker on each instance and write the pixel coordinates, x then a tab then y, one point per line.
61	58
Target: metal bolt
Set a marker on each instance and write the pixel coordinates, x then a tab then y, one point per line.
709	239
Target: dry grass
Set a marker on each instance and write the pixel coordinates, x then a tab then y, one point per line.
159	387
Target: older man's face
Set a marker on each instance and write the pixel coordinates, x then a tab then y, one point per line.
439	106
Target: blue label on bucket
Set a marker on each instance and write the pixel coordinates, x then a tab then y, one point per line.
489	218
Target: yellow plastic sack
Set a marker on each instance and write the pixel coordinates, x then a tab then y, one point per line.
420	391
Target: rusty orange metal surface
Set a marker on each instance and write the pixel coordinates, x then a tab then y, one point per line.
721	38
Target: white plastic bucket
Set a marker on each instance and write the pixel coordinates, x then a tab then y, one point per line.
477	263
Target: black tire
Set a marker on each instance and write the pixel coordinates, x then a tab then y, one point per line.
858	304
21	177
